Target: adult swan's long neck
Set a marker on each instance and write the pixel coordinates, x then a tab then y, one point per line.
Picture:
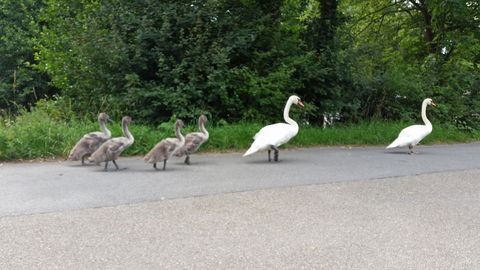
286	112
424	115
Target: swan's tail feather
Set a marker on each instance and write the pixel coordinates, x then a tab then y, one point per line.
73	156
94	159
149	158
392	145
250	151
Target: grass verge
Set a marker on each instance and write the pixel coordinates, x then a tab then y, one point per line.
36	135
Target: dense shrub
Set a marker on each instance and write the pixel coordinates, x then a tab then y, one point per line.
240	60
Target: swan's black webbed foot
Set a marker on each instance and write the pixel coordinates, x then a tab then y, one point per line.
106	165
187	160
269	159
164	164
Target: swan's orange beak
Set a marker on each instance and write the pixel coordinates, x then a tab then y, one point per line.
434	105
300	104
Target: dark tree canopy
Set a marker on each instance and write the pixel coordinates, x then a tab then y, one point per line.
20	85
240	60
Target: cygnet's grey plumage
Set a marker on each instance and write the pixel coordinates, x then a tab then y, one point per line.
111	149
91	141
166	147
194	140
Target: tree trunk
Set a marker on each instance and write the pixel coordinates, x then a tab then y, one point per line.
428	34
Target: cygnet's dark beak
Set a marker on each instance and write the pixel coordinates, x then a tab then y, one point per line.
109	120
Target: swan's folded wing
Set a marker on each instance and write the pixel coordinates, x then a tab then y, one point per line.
410	136
415	132
164	147
276	134
116	144
193	141
270	131
172	143
409	131
89	143
95	136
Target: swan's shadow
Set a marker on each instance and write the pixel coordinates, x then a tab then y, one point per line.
159	171
110	170
280	161
194	163
136	170
406	153
81	166
396	153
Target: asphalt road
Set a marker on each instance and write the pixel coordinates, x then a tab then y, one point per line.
319	208
28	188
428	221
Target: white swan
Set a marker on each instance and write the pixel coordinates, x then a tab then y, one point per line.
272	136
412	135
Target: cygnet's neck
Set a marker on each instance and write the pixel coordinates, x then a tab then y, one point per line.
126	132
178	133
201	126
104	128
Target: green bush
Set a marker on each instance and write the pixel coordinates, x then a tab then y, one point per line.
240	60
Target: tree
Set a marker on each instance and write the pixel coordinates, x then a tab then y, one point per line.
241	59
154	59
20	85
412	49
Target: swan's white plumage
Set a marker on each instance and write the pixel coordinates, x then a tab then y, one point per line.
276	134
412	135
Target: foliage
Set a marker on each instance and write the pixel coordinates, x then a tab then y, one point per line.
240	60
408	50
20	85
33	135
37	134
154	59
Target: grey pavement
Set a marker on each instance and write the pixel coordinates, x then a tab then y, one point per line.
59	186
318	208
429	221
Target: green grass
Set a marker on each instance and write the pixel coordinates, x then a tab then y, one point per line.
376	133
36	135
